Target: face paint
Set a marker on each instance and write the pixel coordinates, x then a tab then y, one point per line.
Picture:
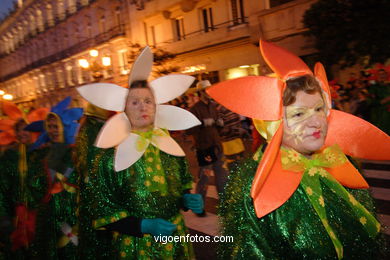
305	124
296	115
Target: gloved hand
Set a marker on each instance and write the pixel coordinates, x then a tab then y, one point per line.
157	227
193	202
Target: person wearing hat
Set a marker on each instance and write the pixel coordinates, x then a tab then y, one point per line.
207	142
16	232
53	183
299	197
136	192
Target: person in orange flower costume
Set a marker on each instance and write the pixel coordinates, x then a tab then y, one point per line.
14	199
300	197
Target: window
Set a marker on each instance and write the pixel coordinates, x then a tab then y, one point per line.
102	24
123	61
207	15
60	10
72	6
237	11
150	35
118	18
178	28
49	15
39	20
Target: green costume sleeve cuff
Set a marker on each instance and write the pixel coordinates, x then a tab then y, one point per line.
101	222
187	186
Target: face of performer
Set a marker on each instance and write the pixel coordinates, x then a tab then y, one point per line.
53	130
305	125
22	135
141	109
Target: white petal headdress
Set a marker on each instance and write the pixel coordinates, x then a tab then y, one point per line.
117	130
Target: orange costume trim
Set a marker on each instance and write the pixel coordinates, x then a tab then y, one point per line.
260	98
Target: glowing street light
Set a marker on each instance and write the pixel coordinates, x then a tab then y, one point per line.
94	53
8	97
84	63
106	61
2	92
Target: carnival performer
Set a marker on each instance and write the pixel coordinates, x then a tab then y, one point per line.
138	191
16	218
53	183
304	199
93	244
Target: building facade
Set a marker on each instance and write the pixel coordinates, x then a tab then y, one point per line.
48	47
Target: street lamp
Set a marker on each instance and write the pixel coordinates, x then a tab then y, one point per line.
2	92
8	97
96	66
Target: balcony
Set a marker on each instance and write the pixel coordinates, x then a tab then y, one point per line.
223	32
77	48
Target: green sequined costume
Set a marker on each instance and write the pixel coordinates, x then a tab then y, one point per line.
293	231
117	195
93	244
14	190
57	201
8	196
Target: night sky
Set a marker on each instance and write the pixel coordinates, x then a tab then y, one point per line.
4	5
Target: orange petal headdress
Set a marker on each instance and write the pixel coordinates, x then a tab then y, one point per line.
260	98
7	136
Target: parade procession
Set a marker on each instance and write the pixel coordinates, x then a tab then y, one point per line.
193	129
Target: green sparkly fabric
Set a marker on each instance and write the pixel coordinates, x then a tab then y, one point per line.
293	231
11	194
53	210
93	244
116	195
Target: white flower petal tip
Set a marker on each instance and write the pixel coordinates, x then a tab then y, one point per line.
174	118
105	95
142	66
75	240
168	144
114	131
169	87
126	153
65	228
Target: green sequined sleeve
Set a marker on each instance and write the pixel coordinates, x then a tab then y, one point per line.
37	178
186	177
8	163
103	190
238	218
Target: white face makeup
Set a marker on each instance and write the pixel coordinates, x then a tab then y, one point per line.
141	109
305	125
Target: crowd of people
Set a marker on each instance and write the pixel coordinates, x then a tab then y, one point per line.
366	95
104	181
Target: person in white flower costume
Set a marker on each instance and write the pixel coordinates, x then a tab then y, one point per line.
137	190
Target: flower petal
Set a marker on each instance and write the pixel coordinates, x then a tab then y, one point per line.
142	66
239	94
105	95
12	110
75	240
114	131
174	118
169	87
356	137
284	63
126	153
168	144
65	228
